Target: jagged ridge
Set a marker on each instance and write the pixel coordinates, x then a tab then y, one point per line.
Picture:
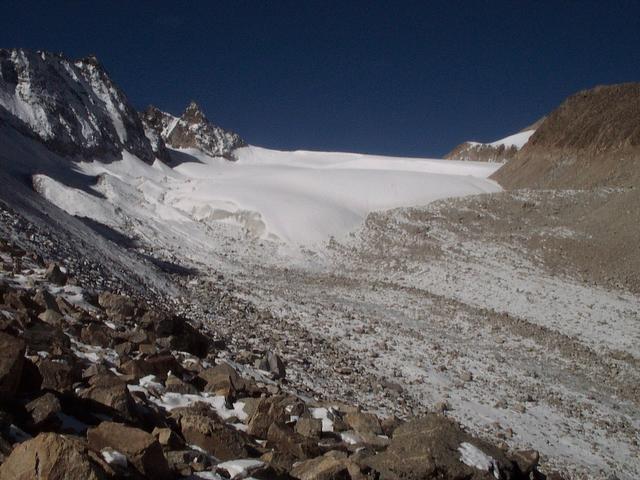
191	130
73	107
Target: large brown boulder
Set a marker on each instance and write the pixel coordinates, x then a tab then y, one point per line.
224	380
284	440
42	337
202	427
111	395
272	362
11	362
50	456
268	411
333	465
435	447
141	448
159	365
59	375
44	412
118	307
363	422
97	334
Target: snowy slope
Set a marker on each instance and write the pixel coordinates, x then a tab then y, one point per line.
499	151
517	140
300	198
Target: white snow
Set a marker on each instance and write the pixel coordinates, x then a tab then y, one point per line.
93	353
324	415
476	458
157	394
517	140
114	457
300	198
240	468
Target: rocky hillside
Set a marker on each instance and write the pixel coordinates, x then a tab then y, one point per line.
73	107
592	139
97	385
191	130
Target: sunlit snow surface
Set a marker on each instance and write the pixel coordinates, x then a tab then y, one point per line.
517	140
299	198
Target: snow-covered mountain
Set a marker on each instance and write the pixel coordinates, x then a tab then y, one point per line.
77	110
154	172
191	130
72	106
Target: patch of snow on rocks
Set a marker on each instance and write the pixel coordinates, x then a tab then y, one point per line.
476	458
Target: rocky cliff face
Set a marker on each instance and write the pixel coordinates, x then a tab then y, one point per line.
192	130
592	139
482	152
73	107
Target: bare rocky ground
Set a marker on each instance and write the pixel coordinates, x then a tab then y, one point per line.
497	310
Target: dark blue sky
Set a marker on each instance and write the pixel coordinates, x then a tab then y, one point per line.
404	78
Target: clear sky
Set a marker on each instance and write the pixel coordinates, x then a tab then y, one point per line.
402	78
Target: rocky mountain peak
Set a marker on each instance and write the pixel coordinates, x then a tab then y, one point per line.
90	60
193	114
192	130
73	107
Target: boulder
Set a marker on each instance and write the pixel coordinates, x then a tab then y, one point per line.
435	447
46	301
59	375
55	275
42	337
527	460
272	363
142	449
201	426
186	338
363	422
176	385
285	440
186	462
12	351
44	412
162	324
309	427
333	465
111	395
51	317
223	380
118	307
31	380
140	336
268	411
158	365
168	438
50	456
97	334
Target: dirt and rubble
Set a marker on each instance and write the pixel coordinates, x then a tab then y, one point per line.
99	385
